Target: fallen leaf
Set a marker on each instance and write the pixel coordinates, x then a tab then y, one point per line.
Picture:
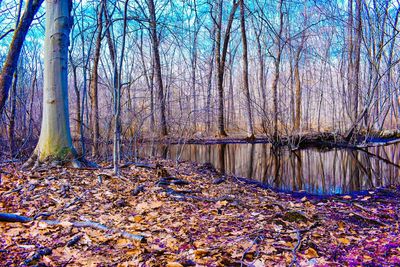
200	252
367	258
155	204
365	198
123	242
311	253
174	264
136	218
222	203
341	226
259	263
344	241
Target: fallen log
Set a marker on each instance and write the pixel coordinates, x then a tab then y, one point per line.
10	217
38	255
219	180
182	195
171	180
74	240
135	164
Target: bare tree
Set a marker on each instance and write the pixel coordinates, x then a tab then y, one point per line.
55	143
250	128
94	84
278	42
11	62
157	66
221	49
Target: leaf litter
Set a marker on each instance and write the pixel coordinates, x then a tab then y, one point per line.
187	219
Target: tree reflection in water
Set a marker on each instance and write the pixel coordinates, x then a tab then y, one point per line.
336	171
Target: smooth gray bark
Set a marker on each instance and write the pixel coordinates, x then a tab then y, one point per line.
55	143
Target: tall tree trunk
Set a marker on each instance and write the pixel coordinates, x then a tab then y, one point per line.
116	90
13	97
194	66
298	94
11	127
246	91
277	62
94	85
55	143
220	58
350	68
390	96
117	95
11	61
149	78
157	67
209	84
298	83
151	87
33	88
261	77
395	97
357	59
78	121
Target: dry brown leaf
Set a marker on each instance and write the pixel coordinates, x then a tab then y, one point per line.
311	253
344	241
341	226
123	242
174	264
136	218
200	253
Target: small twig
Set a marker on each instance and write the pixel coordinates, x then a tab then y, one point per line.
296	248
256	241
367	220
19	188
76	200
362	208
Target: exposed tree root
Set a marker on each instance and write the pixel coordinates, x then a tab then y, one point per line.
10	217
33	163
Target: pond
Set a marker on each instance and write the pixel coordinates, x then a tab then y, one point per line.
315	171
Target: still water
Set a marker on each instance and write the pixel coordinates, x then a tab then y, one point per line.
322	172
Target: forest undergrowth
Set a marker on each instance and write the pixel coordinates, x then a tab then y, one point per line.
163	214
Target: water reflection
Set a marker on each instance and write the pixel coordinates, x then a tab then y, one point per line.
336	171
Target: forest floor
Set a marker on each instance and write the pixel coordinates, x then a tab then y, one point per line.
190	215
